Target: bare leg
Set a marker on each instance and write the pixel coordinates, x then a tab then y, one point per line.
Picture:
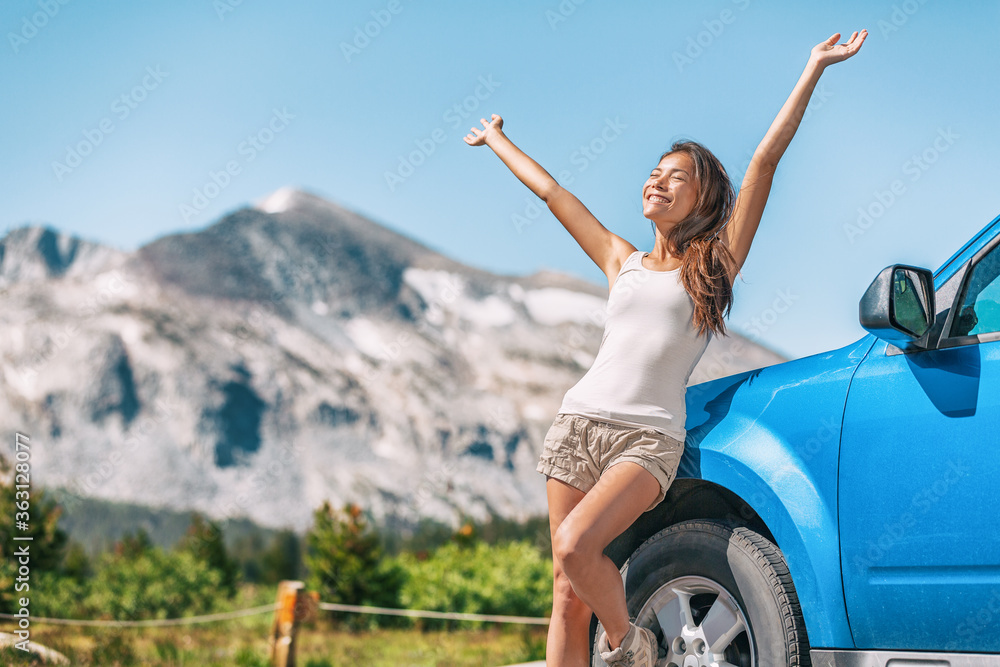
568	641
621	495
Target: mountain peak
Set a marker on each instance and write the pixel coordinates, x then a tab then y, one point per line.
290	198
39	251
283	199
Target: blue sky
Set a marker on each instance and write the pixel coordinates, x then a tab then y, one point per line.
190	109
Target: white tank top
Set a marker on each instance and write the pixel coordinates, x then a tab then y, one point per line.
649	349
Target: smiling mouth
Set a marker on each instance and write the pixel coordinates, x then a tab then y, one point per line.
657	199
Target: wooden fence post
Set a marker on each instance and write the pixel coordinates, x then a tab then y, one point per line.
291	598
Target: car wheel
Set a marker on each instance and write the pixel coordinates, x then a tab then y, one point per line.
714	594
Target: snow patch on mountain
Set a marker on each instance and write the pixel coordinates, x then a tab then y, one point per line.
446	291
278	201
553	305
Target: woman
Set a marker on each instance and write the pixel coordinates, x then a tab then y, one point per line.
628	409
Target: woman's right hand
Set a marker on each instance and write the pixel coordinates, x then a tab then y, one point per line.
491	128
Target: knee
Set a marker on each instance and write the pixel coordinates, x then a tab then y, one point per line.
570	547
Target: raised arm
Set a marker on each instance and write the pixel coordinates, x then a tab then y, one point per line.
608	250
742	226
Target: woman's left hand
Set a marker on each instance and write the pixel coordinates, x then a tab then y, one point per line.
829	52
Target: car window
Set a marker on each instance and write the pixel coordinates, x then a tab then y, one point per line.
979	312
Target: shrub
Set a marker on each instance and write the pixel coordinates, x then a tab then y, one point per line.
58	596
153	584
509	579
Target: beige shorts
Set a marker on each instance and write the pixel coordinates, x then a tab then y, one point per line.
577	450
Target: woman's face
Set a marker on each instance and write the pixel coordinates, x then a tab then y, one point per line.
671	192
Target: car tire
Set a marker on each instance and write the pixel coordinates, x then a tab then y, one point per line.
699	583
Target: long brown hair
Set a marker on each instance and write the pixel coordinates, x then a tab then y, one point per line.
705	259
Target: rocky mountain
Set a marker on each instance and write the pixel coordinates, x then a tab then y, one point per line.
291	352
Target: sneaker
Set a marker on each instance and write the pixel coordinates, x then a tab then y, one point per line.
639	648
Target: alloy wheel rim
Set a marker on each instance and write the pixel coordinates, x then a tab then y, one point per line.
699	623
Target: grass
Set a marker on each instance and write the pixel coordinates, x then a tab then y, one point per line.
227	646
243	642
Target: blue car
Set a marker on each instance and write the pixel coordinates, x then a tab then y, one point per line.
841	509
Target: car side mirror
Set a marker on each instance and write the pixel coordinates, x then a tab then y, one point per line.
898	306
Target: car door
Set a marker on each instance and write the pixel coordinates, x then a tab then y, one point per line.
919	479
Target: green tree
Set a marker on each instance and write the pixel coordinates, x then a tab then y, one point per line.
247	551
346	565
204	540
132	545
47	546
283	558
76	564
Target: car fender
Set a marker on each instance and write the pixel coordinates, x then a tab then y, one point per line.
771	436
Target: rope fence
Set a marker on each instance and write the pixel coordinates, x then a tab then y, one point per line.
423	613
152	623
268	608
